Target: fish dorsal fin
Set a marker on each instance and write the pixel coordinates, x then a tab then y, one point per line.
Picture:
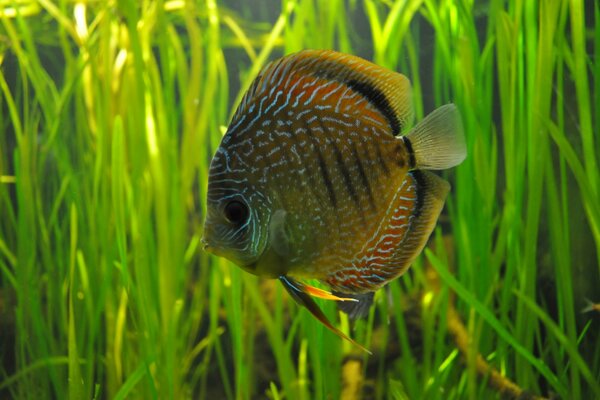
339	79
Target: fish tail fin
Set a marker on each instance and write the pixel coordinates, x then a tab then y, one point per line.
438	141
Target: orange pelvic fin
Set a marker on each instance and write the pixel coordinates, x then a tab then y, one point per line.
322	294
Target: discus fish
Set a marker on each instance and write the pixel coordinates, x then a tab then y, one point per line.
319	177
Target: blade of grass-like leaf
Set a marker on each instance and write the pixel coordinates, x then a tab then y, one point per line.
214	300
23	44
596	62
287	372
241	35
582	92
487	315
15	120
12	259
410	375
374	20
63	20
38	364
562	265
76	384
205	63
568	345
133	379
7	273
267	48
394	29
234	310
274	391
118	196
412	62
591	202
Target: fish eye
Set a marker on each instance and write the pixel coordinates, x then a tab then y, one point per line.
236	212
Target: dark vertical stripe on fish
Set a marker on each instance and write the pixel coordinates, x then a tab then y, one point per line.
343	168
363	176
323	167
345	174
381	159
400	150
309	172
326	178
421	188
367	90
411	153
378	99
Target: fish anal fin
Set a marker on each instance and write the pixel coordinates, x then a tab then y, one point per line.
363	275
294	288
420	201
413	214
359	308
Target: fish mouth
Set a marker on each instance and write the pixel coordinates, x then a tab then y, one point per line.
206	246
214	250
249	263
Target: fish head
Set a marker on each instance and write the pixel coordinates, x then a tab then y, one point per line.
238	213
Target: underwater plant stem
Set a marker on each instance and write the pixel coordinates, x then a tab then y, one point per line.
460	335
505	387
353	380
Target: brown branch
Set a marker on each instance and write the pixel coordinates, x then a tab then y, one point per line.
497	381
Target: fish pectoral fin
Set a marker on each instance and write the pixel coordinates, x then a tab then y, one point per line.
278	235
300	295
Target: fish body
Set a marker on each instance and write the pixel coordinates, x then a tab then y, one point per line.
318	177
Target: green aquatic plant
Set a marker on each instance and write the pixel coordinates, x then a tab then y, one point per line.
110	113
